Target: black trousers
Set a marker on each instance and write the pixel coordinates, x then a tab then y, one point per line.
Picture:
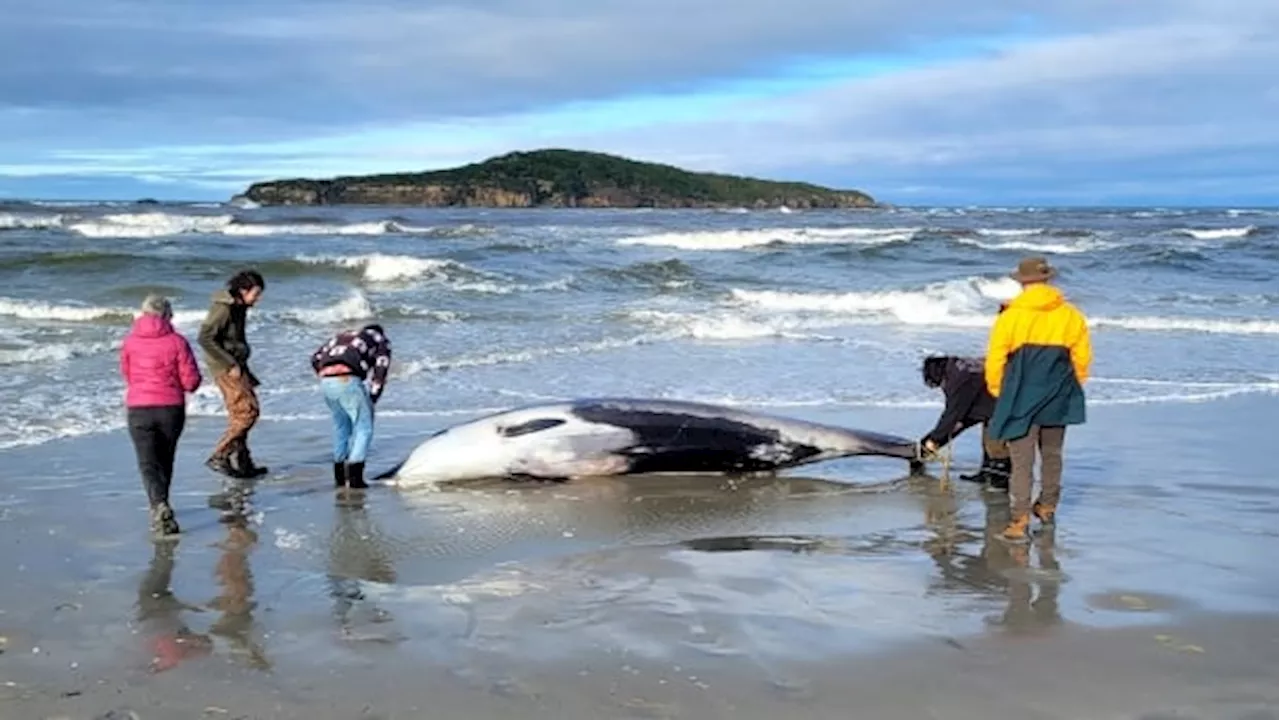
155	432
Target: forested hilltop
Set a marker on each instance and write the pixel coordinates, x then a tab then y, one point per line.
557	178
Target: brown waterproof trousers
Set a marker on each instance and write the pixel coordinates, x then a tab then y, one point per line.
994	449
1022	452
242	412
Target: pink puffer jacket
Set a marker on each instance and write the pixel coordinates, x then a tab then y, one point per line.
157	364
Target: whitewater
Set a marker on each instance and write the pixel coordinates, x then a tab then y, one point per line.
490	308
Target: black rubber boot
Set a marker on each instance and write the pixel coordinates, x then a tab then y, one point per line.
245	466
221	464
998	473
355	476
339	474
981	474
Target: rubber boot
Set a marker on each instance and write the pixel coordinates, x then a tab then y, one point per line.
339	474
998	474
221	464
245	466
163	523
355	476
981	474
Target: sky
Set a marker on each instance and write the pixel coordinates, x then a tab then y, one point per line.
932	102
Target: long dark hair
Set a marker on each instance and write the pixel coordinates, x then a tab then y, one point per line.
934	369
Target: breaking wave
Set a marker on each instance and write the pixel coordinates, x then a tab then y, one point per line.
354	306
741	239
966	303
959	303
161	224
1217	233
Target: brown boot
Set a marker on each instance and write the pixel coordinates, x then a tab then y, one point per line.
1016	530
1043	512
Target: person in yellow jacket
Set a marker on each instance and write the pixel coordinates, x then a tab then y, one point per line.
1038	360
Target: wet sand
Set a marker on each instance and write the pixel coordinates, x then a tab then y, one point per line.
850	592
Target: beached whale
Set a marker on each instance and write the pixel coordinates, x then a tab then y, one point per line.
624	436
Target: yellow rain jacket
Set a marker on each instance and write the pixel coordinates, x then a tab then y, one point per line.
1038	359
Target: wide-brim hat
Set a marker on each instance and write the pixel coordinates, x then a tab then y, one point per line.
1033	269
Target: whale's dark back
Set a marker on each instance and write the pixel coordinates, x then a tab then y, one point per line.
674	441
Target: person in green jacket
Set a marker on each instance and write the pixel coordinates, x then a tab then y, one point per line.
226	352
1038	360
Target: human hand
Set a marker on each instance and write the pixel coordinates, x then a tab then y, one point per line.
930	446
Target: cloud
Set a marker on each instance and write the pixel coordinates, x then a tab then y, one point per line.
286	65
936	99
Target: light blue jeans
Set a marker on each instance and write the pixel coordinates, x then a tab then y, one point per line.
348	400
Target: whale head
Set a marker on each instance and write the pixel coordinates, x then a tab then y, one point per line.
542	441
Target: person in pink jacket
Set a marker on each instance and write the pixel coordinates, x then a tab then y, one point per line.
159	368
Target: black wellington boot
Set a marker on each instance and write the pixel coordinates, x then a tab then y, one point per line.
981	474
221	464
998	474
355	476
245	467
339	474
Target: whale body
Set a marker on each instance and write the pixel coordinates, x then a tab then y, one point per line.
623	436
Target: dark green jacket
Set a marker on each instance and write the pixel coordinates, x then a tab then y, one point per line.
222	335
1039	387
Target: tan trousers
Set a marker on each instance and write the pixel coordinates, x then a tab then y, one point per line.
242	412
1022	452
994	449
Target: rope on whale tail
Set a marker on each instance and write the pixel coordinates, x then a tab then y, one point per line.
943	455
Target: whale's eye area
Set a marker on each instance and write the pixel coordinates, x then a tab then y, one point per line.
529	427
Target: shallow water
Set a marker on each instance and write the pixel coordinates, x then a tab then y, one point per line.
641	596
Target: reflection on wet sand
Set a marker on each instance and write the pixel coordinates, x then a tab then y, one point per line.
236	603
999	566
233	574
159	613
814	568
358	552
637	508
1030	612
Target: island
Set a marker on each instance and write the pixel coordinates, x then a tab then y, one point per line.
556	178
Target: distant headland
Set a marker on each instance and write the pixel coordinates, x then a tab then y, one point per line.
557	178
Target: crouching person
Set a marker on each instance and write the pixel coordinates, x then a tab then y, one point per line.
967	403
352	367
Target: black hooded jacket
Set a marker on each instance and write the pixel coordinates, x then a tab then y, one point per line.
967	400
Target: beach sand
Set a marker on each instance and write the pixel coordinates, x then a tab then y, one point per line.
847	591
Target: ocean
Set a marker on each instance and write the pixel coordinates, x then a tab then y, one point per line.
838	584
489	308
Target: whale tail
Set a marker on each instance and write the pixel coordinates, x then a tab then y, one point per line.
387	474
